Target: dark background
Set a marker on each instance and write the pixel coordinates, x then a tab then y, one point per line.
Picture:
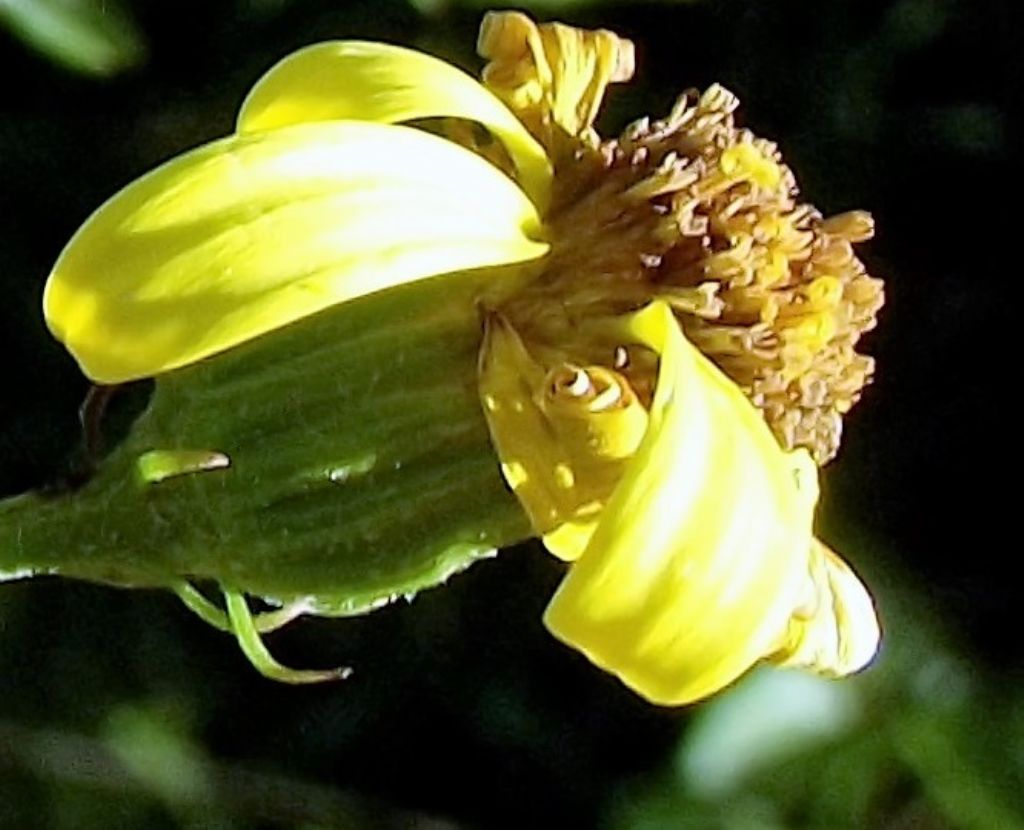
120	709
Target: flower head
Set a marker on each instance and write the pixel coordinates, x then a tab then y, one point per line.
660	372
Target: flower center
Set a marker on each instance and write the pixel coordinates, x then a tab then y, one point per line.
703	215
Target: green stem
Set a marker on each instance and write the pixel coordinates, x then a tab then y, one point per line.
338	462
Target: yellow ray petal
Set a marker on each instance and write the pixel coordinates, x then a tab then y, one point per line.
553	76
839	633
525	440
365	81
252	232
702	553
563	436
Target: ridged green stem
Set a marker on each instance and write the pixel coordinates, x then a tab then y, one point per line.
359	466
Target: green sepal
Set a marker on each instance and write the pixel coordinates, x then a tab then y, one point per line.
359	466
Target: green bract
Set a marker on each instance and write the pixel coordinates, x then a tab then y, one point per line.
351	464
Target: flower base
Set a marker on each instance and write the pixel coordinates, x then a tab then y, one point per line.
339	462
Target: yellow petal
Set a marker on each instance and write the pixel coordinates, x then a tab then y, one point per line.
838	633
551	74
702	553
252	232
562	435
530	452
365	81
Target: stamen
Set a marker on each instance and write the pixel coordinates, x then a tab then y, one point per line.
701	300
855	226
744	161
703	215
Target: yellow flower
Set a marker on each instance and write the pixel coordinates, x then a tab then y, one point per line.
659	372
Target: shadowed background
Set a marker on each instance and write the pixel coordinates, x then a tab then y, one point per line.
121	709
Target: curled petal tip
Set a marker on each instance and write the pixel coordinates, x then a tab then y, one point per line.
837	632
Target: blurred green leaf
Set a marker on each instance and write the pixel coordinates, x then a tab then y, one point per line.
95	37
920	740
158	751
959	760
771	716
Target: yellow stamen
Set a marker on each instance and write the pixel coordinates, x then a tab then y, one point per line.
747	162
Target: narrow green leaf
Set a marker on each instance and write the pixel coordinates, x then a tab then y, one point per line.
84	36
